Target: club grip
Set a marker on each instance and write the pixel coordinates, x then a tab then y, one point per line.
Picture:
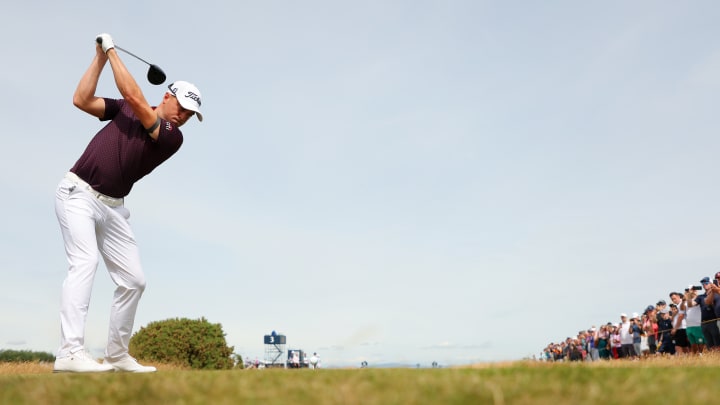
98	40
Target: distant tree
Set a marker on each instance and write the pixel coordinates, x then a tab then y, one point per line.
239	363
197	343
24	356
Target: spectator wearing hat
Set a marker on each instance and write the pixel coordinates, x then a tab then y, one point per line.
626	338
659	307
709	320
678	332
693	321
650	328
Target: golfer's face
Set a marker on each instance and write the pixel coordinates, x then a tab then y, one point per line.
176	113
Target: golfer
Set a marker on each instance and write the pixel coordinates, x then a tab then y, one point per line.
90	206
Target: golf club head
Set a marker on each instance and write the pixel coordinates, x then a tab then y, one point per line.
155	75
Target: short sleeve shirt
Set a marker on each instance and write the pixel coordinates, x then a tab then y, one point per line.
122	152
707	311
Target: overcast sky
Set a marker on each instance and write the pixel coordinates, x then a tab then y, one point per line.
387	181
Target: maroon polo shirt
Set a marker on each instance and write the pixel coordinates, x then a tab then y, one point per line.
122	152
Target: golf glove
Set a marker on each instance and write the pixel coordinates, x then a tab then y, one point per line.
105	40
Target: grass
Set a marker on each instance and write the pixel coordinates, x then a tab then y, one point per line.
652	381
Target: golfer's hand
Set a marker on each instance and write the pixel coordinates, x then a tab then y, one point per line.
105	41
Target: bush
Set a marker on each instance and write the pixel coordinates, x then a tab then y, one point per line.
23	356
198	344
239	362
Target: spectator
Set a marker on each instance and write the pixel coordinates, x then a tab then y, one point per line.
650	328
645	349
565	346
560	351
615	342
584	344
693	321
626	338
296	359
636	332
602	337
665	327
709	320
550	352
678	332
315	361
713	296
574	351
689	324
592	343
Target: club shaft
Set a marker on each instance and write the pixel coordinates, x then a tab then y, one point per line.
132	54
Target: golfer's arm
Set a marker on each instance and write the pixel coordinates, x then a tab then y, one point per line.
130	91
84	97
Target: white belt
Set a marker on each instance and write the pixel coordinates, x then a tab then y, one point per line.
107	200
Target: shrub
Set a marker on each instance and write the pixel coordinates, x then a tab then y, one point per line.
239	362
198	344
22	356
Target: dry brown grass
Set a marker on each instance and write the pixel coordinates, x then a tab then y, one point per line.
47	368
25	368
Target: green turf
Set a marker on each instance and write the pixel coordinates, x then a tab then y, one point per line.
517	384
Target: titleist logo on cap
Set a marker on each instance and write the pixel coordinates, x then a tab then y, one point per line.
193	96
188	94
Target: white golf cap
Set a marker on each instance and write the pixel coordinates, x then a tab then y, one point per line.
187	95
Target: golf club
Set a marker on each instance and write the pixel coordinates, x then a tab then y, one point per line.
155	75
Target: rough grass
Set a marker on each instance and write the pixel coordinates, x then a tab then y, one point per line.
651	381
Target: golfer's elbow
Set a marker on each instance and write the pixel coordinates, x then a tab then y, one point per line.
92	105
79	100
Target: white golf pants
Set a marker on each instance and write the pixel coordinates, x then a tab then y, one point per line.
91	229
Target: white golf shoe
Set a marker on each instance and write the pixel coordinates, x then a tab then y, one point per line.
129	365
80	362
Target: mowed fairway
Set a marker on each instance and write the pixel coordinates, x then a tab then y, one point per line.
654	381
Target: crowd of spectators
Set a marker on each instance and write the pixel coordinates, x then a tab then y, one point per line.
689	324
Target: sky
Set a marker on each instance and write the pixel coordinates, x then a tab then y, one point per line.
386	181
